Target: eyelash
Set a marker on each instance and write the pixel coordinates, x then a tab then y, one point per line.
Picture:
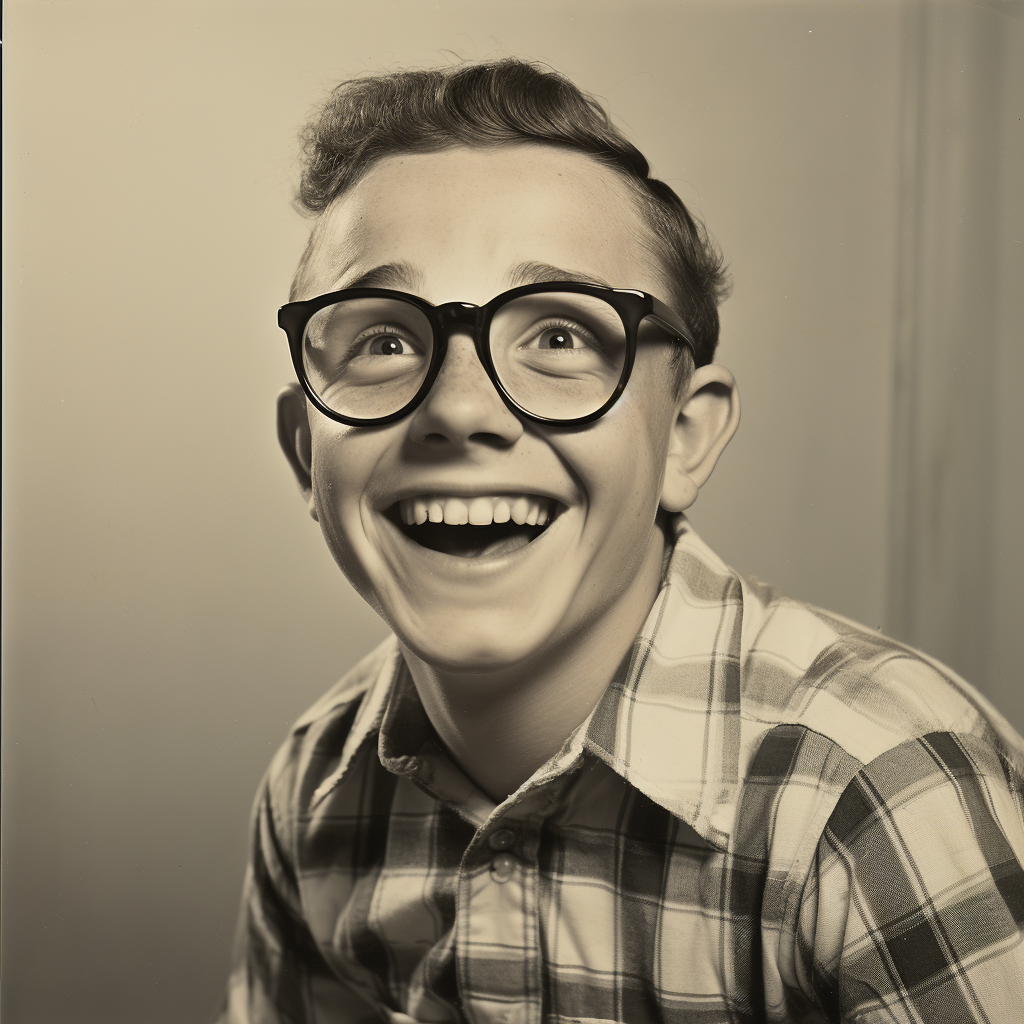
370	334
573	327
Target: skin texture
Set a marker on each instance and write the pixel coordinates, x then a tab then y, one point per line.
509	654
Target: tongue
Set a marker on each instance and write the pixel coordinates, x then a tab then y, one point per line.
502	546
473	547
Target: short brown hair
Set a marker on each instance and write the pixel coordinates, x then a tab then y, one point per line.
497	103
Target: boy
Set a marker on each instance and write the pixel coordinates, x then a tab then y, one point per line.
595	775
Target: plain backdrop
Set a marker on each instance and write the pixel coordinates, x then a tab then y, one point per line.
169	607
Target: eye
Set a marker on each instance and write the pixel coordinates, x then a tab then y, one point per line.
557	337
389	345
563	337
386	340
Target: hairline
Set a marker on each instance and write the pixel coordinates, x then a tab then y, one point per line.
643	202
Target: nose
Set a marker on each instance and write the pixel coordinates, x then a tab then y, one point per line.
463	405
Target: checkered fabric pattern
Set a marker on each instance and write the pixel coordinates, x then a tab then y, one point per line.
773	814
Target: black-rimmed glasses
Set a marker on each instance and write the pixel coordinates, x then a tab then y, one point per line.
559	352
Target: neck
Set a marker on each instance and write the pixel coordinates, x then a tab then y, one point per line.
501	725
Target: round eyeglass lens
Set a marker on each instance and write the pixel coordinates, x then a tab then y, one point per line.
558	354
367	357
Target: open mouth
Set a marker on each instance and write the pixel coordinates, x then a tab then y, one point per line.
474	527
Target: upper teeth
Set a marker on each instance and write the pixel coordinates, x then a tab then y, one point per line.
481	511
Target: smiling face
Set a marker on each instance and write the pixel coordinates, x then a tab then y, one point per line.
413	510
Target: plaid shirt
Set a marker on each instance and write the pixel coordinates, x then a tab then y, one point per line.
772	814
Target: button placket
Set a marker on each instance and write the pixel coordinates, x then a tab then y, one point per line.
502	916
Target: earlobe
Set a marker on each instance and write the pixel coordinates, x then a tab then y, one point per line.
294	437
679	491
706	421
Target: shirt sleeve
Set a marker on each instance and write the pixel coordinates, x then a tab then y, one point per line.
279	975
914	908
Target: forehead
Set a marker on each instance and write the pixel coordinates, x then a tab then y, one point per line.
463	223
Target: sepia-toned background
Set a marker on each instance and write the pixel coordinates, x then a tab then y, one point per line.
169	608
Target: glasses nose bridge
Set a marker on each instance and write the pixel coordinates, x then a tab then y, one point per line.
462	316
467	318
453	316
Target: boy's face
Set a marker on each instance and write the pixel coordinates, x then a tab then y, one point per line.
466	224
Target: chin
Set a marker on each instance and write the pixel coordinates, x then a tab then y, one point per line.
465	644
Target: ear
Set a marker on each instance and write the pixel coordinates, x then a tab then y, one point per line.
706	419
294	437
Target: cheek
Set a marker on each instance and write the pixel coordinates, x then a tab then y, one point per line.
342	467
621	478
627	459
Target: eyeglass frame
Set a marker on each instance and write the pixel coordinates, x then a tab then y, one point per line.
632	306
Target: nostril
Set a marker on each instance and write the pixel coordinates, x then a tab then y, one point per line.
485	438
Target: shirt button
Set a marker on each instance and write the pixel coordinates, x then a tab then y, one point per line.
502	839
503	867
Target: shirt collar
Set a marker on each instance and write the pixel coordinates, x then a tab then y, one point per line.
669	723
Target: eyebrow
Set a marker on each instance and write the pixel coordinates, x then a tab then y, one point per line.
537	273
388	275
400	274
